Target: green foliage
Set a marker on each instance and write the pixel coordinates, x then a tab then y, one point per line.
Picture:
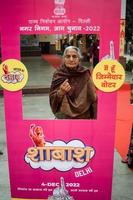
129	21
129	65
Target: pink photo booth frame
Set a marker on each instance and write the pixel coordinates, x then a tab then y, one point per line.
94	179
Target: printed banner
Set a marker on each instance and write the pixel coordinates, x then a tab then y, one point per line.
122	36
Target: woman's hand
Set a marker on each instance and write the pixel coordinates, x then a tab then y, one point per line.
64	87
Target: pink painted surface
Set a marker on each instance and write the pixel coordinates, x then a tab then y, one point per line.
98	133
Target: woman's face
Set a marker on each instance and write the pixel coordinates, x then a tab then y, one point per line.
38	130
71	59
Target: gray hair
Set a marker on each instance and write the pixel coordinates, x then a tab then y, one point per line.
72	47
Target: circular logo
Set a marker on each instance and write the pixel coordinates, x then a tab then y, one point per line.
108	75
13	75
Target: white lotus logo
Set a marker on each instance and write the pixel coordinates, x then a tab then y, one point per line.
59	7
60	2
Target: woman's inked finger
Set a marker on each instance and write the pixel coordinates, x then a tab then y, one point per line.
66	81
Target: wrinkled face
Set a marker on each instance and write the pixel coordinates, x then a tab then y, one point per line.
71	59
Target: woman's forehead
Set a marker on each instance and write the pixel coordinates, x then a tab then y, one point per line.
72	51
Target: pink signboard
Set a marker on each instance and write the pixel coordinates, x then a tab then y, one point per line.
77	159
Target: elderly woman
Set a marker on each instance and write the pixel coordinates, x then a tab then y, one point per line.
72	93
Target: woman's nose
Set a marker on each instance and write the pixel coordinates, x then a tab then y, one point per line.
71	58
